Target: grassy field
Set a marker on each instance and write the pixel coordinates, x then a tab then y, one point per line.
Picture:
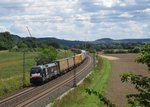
97	81
11	69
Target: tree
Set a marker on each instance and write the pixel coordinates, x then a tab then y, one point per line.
20	44
142	84
31	42
6	41
144	57
136	49
52	43
47	55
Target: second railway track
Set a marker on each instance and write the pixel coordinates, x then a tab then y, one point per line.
29	98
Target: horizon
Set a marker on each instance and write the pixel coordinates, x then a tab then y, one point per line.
93	40
77	20
80	40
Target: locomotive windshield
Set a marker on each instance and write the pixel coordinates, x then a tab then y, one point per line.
35	70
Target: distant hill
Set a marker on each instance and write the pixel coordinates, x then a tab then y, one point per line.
134	40
104	41
61	41
99	41
109	41
16	37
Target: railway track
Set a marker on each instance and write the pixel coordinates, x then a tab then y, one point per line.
32	96
14	96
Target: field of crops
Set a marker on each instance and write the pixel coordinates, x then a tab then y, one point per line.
122	63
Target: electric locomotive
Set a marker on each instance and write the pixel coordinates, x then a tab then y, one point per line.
43	73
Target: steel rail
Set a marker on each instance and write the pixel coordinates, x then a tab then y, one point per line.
18	94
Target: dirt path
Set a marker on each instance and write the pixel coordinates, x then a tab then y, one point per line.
109	57
122	63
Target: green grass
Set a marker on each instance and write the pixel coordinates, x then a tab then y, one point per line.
11	70
97	81
11	63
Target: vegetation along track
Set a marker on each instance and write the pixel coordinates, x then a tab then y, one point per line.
32	96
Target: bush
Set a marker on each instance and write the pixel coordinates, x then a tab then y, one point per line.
47	55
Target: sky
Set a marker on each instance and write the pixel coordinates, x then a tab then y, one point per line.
86	20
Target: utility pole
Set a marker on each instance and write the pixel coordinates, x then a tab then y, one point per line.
23	65
23	77
74	73
85	45
85	40
65	53
94	57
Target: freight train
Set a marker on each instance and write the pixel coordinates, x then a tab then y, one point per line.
42	73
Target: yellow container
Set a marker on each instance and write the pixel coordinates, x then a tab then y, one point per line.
78	59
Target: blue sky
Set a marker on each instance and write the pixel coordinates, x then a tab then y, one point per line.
77	19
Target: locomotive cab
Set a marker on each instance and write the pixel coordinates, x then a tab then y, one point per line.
37	75
43	73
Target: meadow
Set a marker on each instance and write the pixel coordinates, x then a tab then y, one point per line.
11	70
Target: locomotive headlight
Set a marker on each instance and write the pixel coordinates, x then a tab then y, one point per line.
36	75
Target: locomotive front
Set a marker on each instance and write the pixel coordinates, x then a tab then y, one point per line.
36	75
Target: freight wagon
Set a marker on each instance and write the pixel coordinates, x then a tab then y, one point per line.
71	62
78	59
63	65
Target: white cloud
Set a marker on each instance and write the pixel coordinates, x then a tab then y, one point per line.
136	28
107	3
76	19
112	3
127	15
130	2
147	10
130	29
3	29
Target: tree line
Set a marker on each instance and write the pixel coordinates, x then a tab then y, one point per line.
8	42
112	47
